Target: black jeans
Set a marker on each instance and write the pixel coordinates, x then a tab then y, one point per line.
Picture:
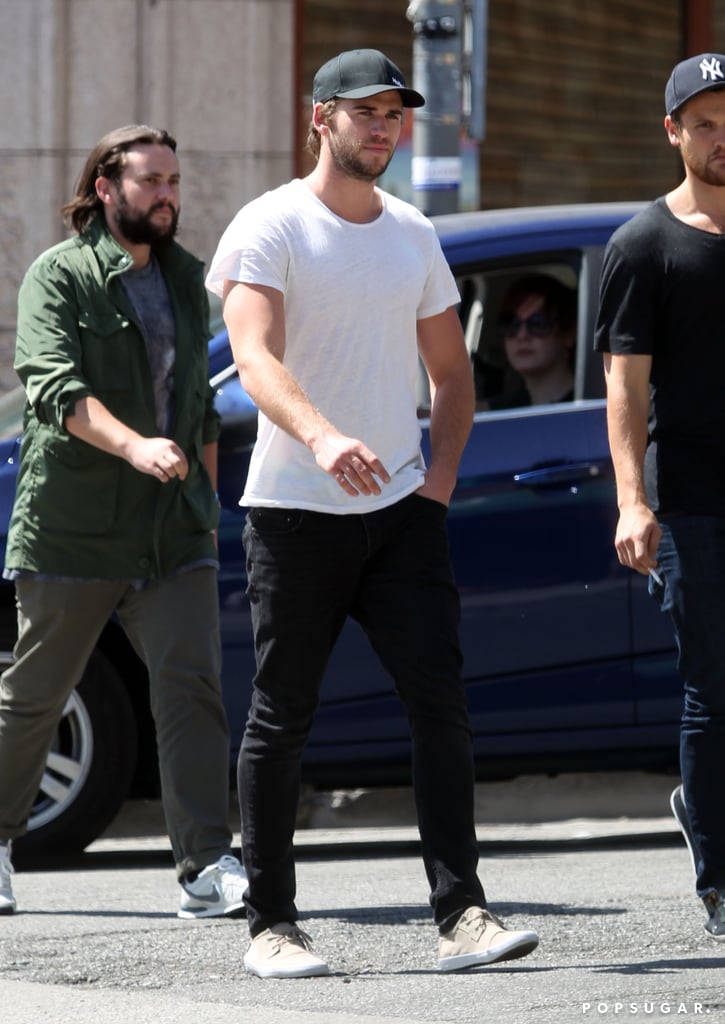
390	570
691	557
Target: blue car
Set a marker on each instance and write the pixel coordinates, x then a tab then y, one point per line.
568	662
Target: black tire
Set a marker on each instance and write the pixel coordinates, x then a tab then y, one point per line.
89	770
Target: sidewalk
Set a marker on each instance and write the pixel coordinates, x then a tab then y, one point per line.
585	807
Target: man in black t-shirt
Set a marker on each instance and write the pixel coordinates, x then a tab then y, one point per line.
660	327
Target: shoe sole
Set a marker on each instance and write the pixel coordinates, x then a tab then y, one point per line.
7	909
679	810
517	947
191	913
711	935
312	971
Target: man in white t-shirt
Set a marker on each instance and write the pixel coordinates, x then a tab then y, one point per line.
332	289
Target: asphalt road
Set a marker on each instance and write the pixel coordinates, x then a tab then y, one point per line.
612	900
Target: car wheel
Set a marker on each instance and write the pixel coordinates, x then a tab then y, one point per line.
89	768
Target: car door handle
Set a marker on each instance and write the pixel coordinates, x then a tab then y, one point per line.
562	473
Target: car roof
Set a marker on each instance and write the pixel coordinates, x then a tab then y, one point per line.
529	229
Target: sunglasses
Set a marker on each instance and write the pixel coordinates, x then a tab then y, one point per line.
538	325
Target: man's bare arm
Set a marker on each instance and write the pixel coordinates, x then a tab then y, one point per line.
158	456
443	351
628	399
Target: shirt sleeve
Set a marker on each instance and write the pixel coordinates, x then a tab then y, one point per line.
628	303
48	350
441	290
252	250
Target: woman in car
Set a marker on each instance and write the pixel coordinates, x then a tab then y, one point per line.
537	325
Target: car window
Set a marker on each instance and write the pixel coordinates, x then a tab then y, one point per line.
485	294
483	289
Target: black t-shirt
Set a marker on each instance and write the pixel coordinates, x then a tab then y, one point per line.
662	294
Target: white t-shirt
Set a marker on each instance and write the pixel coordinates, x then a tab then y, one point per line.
353	294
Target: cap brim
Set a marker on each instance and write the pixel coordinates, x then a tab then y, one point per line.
411	98
709	87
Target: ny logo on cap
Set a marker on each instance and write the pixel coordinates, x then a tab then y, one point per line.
712	68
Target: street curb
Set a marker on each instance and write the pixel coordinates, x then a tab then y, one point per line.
575	809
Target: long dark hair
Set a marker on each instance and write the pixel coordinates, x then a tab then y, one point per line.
106	160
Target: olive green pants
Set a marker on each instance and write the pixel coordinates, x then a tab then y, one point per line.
174	627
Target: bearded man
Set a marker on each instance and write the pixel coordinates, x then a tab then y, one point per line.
332	290
660	329
115	510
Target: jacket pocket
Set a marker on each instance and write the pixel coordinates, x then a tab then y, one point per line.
71	490
109	350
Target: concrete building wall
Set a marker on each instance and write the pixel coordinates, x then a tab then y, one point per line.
217	74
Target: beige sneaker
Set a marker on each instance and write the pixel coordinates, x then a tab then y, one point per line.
480	938
283	951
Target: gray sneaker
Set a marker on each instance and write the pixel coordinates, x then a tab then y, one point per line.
7	900
480	938
715	907
283	951
217	891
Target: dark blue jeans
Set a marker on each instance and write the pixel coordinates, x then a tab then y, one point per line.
389	570
691	558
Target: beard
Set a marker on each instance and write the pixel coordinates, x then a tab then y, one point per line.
346	156
709	175
704	171
138	228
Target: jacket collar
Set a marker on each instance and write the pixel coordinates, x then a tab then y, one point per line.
114	259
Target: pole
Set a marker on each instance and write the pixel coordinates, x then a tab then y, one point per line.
437	56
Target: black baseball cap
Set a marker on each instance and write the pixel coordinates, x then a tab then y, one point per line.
693	76
354	74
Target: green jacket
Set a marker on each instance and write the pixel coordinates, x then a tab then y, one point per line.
79	511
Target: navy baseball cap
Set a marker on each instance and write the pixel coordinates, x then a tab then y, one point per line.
355	74
693	76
